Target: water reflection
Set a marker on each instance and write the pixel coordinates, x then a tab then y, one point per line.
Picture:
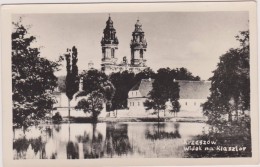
158	132
72	150
27	149
117	140
103	140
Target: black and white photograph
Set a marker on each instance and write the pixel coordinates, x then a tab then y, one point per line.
115	84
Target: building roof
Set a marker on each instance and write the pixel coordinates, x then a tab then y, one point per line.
144	87
188	89
194	89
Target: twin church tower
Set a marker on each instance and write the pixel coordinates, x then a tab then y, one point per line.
110	43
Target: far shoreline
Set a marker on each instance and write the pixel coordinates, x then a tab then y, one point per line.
133	119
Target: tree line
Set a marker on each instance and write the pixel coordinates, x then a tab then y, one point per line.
113	89
230	85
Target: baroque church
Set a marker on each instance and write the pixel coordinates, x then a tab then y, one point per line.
109	44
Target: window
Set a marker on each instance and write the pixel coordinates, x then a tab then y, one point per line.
138	103
136	93
186	103
133	103
141	53
194	103
112	53
132	93
129	103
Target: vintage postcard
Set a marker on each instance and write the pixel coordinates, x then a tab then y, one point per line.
130	84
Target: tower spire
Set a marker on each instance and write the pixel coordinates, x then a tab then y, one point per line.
138	46
109	43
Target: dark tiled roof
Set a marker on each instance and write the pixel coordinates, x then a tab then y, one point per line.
188	89
194	89
136	86
144	86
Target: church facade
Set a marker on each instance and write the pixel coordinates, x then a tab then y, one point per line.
109	44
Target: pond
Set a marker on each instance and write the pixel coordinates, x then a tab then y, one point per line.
105	140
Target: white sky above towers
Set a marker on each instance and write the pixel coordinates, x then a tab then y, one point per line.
193	40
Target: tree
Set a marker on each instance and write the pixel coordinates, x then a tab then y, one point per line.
57	118
163	89
145	74
72	79
93	104
108	91
98	90
123	82
184	74
230	84
93	80
33	80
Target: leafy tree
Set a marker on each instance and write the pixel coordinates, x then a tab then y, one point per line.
93	104
33	80
98	90
145	74
230	84
163	89
108	91
184	74
57	118
93	80
123	82
72	80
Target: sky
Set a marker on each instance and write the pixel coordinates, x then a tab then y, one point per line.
194	40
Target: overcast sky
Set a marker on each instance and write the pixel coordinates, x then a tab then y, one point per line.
193	40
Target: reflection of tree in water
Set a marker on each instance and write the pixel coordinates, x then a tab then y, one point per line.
21	146
72	150
117	141
38	146
158	132
49	131
92	145
53	156
46	130
57	127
